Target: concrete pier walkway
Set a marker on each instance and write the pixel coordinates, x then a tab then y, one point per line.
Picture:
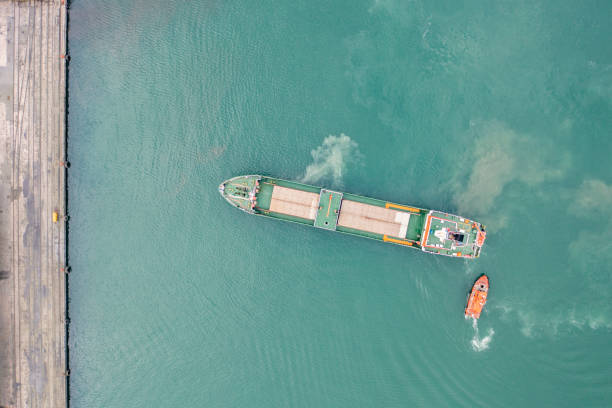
33	365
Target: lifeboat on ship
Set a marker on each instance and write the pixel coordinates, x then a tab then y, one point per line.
477	298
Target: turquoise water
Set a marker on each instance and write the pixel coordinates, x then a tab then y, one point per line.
497	111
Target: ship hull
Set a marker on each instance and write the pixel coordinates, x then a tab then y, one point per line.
431	231
477	298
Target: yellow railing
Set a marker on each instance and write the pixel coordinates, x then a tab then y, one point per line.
402	207
397	241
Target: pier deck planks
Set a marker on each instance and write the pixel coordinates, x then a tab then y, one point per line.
33	370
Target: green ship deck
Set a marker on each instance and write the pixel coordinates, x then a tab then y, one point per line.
431	231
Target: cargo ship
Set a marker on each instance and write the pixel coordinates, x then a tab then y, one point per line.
431	231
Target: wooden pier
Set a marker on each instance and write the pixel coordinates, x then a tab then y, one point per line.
33	353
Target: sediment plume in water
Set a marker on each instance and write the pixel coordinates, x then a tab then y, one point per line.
331	159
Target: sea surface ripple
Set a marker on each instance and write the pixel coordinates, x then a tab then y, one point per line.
500	112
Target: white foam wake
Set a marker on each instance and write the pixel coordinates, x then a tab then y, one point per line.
330	159
479	344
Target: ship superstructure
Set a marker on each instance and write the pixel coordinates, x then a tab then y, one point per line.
431	231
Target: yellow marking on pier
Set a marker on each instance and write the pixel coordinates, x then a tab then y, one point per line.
402	207
329	206
397	241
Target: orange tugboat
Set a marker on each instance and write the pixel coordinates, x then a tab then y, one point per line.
478	297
